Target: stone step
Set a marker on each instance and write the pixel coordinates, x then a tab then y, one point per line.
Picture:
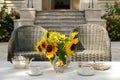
65	31
59	17
59	24
55	14
58	13
59	21
60	29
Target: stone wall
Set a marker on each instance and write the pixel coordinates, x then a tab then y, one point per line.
37	4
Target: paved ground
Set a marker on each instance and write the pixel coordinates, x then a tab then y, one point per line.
115	50
3	51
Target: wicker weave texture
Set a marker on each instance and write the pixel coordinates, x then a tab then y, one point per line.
23	41
94	43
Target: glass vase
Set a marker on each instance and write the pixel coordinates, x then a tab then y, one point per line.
58	64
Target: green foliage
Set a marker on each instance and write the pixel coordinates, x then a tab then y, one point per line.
6	24
112	16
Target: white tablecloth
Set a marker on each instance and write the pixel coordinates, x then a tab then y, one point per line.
7	72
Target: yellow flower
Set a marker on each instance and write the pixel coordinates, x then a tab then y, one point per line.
73	35
71	46
38	48
75	41
54	36
43	44
51	50
63	36
56	44
46	35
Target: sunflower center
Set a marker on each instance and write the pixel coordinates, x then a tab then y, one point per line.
47	35
43	45
49	48
73	47
39	48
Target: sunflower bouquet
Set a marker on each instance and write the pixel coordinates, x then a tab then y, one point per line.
56	44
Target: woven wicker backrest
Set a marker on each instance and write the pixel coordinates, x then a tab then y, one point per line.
26	37
92	37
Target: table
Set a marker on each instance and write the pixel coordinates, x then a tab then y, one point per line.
7	72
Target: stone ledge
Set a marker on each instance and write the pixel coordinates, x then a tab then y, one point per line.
20	22
28	9
27	13
91	9
96	20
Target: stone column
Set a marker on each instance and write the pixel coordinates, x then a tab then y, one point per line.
27	17
27	13
37	4
84	4
93	15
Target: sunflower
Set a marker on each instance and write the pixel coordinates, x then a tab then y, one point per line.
46	35
63	36
51	50
71	46
56	44
73	36
75	41
38	48
54	36
43	44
